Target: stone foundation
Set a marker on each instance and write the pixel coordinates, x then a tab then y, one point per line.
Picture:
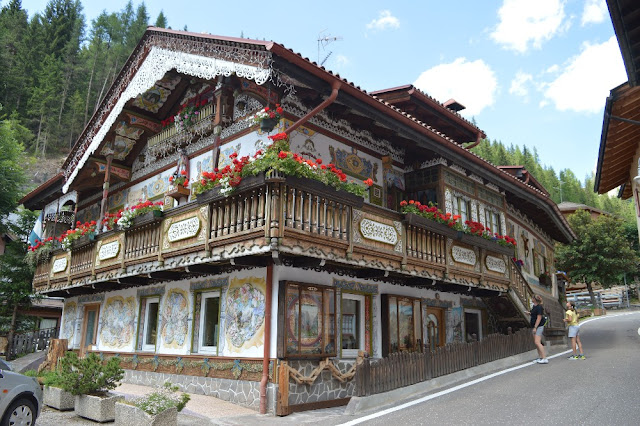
241	392
325	388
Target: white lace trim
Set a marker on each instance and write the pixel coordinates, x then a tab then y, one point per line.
156	64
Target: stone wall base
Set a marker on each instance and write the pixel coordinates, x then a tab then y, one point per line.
241	392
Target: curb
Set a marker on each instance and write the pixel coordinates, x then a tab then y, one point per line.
361	404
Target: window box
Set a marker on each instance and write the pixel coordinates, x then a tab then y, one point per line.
147	218
215	194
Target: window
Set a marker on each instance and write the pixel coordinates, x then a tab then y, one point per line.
473	324
308	328
462	207
402	327
150	331
209	322
493	221
352	324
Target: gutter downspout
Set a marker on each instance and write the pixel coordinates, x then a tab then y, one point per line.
335	86
476	143
267	340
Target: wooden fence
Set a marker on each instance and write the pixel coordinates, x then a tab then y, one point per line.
31	342
407	368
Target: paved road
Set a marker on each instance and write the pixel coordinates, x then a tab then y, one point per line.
604	389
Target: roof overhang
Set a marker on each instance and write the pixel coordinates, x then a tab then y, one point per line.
625	16
619	140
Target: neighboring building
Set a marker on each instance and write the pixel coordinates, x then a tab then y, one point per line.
568	208
284	271
619	156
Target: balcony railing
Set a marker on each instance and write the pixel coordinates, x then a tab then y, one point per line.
294	216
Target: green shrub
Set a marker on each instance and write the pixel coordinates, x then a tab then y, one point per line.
88	375
162	399
52	378
31	373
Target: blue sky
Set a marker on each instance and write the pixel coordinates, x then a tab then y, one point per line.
531	72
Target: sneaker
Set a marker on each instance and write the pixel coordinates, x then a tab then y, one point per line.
581	357
574	357
537	360
543	361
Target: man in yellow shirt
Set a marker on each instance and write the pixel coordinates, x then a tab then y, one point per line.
571	318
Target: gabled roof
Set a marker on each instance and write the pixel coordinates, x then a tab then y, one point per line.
524	175
260	60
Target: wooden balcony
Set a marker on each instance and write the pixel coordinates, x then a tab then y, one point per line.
299	222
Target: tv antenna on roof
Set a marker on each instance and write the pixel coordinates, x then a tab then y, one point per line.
324	40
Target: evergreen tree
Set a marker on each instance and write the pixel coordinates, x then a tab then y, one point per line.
161	20
12	160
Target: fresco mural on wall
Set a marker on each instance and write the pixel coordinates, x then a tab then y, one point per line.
245	313
69	325
117	321
225	152
454	325
353	164
175	313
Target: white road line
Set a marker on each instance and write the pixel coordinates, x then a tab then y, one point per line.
464	385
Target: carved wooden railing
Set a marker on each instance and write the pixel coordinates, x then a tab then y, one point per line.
142	242
82	260
313	211
520	285
239	213
170	131
291	210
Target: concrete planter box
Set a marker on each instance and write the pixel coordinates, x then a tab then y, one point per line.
58	398
97	408
129	415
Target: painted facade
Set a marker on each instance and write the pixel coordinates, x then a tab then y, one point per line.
284	272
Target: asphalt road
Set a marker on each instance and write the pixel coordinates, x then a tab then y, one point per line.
604	389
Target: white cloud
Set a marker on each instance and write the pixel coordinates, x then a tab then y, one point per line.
473	84
586	80
525	22
594	12
519	84
385	21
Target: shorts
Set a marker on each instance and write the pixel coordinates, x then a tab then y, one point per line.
539	331
574	330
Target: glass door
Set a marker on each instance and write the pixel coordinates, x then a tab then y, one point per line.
89	327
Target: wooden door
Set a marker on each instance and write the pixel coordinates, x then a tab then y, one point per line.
89	327
435	327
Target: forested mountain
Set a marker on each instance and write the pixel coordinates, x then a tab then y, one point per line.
563	186
55	68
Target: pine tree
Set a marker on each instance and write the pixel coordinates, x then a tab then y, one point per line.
161	20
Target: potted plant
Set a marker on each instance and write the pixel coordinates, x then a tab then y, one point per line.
178	184
54	395
268	118
276	158
545	279
158	408
90	381
140	213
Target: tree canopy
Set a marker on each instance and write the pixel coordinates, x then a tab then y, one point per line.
601	253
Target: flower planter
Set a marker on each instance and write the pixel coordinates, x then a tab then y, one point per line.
214	194
84	240
432	225
442	229
268	124
147	218
318	188
178	191
58	398
130	415
97	408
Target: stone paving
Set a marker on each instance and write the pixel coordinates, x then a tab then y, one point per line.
200	410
